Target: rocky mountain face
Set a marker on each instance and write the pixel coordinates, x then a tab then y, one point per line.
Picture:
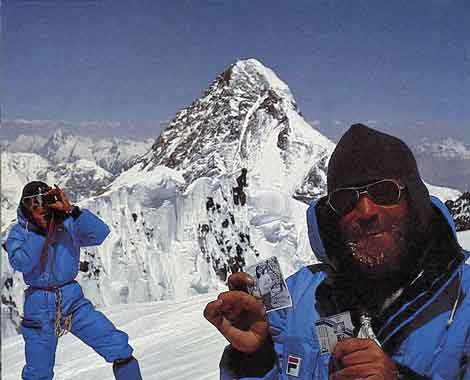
247	118
460	209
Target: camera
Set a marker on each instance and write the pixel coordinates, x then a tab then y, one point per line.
48	198
42	199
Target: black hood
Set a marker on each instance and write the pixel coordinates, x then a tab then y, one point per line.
31	188
364	155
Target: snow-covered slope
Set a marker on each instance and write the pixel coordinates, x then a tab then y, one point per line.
172	340
443	193
17	170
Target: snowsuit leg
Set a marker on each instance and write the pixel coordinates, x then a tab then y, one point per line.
40	348
127	369
93	328
37	328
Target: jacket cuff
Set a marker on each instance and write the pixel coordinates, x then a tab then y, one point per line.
256	364
75	213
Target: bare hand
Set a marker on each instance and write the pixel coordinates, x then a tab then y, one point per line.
240	281
239	317
63	204
359	359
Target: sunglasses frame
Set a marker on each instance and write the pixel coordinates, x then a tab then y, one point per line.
38	197
359	190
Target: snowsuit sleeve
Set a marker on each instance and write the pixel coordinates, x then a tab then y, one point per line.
263	364
466	360
465	370
24	249
90	229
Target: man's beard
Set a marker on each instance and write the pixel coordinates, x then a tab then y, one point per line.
379	256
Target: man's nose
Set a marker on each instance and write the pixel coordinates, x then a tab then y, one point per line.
366	209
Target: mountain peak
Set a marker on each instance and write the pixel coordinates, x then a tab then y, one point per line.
246	118
254	71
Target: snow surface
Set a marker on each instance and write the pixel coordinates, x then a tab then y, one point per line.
172	340
464	240
443	193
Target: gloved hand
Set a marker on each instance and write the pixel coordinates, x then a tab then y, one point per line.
359	359
63	204
239	317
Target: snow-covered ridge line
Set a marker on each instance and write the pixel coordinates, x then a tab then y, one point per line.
448	148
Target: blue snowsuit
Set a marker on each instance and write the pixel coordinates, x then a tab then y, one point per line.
427	333
54	277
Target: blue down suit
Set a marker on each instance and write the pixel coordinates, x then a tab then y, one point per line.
426	332
51	277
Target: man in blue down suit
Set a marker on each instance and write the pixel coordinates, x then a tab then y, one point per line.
45	246
388	256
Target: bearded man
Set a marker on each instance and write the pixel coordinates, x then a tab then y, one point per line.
389	261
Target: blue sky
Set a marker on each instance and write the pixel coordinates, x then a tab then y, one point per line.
403	65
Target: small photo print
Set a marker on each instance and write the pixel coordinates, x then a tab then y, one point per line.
270	285
333	329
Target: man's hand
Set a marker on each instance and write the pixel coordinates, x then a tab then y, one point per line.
359	359
239	317
63	204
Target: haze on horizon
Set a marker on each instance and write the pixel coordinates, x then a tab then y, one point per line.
400	66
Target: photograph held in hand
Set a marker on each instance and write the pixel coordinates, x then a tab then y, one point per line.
388	297
269	284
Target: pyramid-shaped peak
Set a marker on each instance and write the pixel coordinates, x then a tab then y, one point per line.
253	72
247	118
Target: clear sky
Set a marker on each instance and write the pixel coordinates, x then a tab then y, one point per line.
399	64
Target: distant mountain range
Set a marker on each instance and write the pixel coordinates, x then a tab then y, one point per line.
447	161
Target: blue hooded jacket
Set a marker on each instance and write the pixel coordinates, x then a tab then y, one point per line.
426	334
25	244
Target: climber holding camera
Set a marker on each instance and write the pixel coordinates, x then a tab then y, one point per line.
44	245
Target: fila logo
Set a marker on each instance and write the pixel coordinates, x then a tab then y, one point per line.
293	365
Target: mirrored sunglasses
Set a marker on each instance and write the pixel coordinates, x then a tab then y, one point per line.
40	200
385	192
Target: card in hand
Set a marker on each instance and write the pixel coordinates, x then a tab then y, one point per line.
270	285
